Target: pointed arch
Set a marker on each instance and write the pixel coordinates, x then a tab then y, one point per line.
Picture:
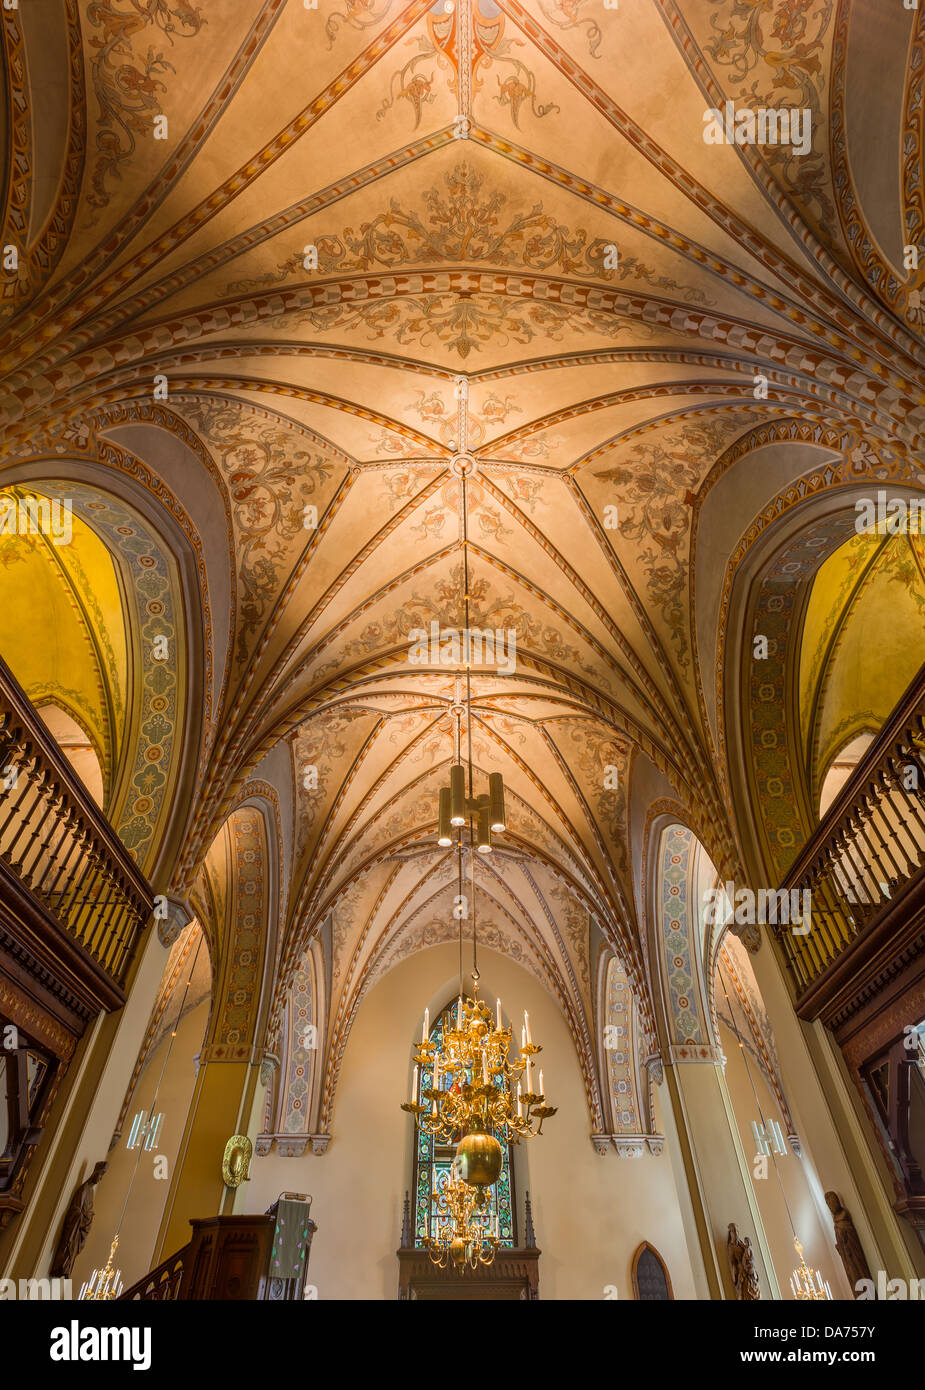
766	591
625	1070
244	867
152	752
651	1280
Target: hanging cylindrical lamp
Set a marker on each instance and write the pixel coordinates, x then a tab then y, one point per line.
496	802
457	794
483	832
445	826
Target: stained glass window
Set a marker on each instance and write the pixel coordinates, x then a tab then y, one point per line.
432	1162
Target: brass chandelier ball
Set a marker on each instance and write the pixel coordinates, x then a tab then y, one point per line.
479	1157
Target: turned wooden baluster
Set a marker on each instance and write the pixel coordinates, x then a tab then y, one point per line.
891	847
17	791
911	799
37	817
821	920
123	941
82	918
77	877
858	878
875	869
71	826
839	905
107	906
48	854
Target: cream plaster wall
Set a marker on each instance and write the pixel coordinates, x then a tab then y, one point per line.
590	1212
133	1173
790	1187
85	1120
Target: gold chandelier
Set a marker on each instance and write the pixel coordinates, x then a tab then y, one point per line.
104	1284
808	1284
466	1233
473	1094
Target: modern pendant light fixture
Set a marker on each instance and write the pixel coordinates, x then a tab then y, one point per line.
458	804
146	1130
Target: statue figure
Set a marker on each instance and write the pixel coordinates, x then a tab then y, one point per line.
847	1242
741	1259
77	1222
751	1289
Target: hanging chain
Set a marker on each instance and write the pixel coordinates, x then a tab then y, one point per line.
459	902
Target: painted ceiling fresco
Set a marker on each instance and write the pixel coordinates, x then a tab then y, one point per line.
296	260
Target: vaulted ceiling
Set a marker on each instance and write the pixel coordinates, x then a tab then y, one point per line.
368	237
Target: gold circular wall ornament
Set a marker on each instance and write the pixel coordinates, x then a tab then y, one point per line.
236	1160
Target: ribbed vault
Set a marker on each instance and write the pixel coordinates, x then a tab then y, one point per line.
299	259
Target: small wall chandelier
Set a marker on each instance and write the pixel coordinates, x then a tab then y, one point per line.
808	1284
104	1284
466	1234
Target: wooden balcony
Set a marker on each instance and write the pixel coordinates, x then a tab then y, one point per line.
860	969
865	870
73	905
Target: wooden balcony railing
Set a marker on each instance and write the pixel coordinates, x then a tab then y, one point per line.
59	857
162	1285
868	851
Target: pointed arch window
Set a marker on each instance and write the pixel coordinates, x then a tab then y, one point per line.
432	1162
651	1281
